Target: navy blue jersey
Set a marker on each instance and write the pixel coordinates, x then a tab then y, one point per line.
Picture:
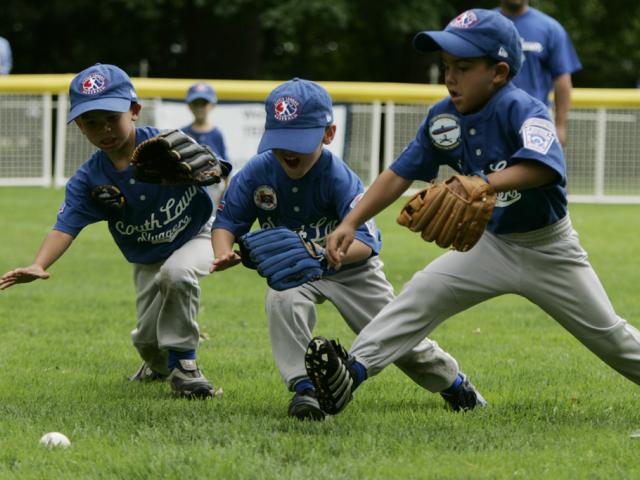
548	53
155	221
213	138
314	204
511	127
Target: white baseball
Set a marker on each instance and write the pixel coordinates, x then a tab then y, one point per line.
55	439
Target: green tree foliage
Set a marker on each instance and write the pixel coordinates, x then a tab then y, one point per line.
354	40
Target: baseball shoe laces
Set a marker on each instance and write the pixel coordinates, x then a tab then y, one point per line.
146	374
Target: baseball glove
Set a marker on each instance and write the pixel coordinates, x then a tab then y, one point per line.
283	257
108	196
173	158
453	213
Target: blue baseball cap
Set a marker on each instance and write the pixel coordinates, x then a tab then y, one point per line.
298	113
201	90
100	87
476	33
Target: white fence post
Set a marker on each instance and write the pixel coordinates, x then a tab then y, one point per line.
46	139
374	159
61	139
601	140
389	132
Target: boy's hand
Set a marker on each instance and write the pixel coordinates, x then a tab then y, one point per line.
338	243
22	275
227	260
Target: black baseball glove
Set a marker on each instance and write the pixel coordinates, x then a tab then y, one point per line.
174	158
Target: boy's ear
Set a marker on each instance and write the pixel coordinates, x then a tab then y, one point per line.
501	72
135	110
329	134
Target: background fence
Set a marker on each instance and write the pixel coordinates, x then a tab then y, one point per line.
37	147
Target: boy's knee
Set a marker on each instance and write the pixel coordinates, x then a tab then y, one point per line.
283	298
175	277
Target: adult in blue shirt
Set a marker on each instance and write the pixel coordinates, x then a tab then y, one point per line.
549	59
6	58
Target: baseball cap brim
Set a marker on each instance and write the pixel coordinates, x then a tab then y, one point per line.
447	41
300	140
203	96
108	104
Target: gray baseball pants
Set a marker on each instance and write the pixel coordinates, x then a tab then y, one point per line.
359	294
546	266
168	299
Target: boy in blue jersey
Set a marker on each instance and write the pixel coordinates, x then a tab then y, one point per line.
201	99
549	59
499	132
163	231
294	182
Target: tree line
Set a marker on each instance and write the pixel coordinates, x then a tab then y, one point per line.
348	40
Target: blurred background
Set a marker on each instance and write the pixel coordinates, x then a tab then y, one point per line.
341	40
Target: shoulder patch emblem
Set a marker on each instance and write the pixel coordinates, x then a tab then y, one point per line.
265	197
445	131
538	134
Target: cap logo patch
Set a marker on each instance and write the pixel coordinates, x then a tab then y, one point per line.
445	131
538	134
502	52
465	20
94	84
286	109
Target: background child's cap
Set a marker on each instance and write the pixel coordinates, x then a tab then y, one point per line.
298	112
201	90
476	33
100	87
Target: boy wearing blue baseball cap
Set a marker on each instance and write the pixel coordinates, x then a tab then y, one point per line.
164	231
295	182
201	99
489	128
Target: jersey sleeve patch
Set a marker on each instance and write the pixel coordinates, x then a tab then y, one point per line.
538	134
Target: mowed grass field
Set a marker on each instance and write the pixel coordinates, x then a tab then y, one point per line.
555	410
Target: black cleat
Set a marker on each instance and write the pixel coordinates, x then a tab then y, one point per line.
305	406
329	368
466	397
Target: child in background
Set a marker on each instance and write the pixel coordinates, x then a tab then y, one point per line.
201	99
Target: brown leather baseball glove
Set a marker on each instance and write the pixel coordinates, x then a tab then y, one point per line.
453	213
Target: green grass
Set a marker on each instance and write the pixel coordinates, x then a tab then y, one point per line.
555	410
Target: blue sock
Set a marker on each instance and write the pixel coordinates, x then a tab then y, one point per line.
304	384
455	385
175	355
360	373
